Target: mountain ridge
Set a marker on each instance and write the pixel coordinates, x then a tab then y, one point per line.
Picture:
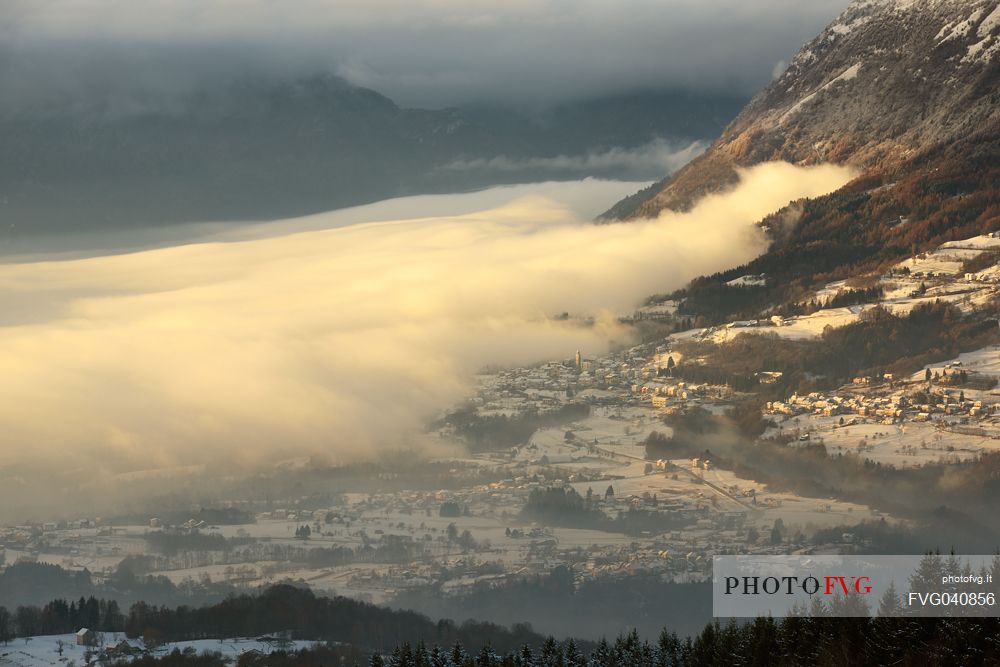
261	149
886	82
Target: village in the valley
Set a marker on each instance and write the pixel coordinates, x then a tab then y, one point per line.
375	545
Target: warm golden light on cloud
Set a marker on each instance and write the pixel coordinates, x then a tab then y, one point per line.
339	343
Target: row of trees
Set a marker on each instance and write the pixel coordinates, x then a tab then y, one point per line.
298	610
495	432
762	642
405	639
61	617
563	506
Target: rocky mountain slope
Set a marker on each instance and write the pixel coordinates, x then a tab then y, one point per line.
887	84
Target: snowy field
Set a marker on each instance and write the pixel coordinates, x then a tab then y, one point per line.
985	361
949	257
619	429
795	511
44	651
901	445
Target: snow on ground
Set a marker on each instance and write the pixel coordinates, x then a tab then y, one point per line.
958	29
948	258
830	290
902	445
621	428
847	28
847	75
797	328
631	480
989	23
812	326
964	298
933	276
748	281
664	309
981	242
943	261
984	50
985	361
44	650
793	510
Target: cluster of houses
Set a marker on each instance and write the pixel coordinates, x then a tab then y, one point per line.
69	539
662	394
889	409
990	275
615	379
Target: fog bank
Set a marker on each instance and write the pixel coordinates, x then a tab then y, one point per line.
334	343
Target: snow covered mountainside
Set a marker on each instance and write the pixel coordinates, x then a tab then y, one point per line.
888	83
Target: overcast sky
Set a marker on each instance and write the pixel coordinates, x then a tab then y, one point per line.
419	52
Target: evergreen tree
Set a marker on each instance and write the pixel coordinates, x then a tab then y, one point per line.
601	657
704	649
458	654
439	658
405	657
889	604
763	641
885	642
629	650
6	626
668	650
525	658
420	657
927	578
574	658
848	605
487	657
777	533
552	655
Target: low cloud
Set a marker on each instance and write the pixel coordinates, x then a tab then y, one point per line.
657	157
337	343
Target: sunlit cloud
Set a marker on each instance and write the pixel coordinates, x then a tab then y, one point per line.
333	343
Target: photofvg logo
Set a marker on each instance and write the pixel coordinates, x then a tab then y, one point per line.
789	585
754	585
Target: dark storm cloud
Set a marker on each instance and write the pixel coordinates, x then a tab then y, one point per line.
420	52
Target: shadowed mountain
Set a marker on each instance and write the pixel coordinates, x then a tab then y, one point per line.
264	149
